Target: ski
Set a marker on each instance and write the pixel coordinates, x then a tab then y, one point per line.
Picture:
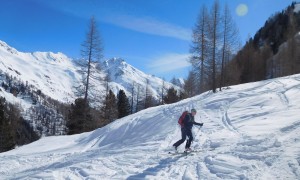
190	152
180	153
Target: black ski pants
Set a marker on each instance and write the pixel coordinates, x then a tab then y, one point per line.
185	133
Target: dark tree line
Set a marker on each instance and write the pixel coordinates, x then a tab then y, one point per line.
83	118
114	107
14	130
45	117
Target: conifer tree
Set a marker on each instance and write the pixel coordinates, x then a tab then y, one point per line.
110	108
171	96
80	119
123	104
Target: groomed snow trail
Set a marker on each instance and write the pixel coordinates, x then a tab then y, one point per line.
251	131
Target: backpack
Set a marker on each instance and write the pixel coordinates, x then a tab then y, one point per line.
180	120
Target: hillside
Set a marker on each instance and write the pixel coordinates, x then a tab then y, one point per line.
250	131
53	74
40	83
272	52
56	75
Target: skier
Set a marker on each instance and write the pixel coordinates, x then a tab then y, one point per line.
186	130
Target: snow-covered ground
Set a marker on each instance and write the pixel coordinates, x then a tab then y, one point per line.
251	131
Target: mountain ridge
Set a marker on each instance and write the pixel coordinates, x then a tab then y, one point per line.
128	76
58	64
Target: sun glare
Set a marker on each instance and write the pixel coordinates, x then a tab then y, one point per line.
241	10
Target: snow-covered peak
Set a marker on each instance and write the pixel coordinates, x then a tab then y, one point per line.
54	74
4	46
51	57
118	66
117	63
127	76
114	62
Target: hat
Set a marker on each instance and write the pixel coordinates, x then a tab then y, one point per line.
193	110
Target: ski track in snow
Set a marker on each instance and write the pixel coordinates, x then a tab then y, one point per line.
251	131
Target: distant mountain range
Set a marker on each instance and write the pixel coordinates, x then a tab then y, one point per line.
56	75
38	82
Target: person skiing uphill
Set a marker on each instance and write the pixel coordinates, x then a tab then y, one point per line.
186	130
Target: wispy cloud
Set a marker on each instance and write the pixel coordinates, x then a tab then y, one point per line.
150	26
168	63
106	13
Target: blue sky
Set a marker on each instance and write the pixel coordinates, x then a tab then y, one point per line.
152	35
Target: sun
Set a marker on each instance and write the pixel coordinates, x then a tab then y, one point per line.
241	10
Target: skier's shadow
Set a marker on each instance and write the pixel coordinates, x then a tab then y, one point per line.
154	170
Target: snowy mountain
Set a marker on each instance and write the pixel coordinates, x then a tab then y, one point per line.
53	74
57	76
250	131
29	80
124	76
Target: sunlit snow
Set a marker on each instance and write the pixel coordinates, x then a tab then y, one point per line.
251	131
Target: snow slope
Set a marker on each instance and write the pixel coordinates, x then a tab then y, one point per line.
53	74
252	131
